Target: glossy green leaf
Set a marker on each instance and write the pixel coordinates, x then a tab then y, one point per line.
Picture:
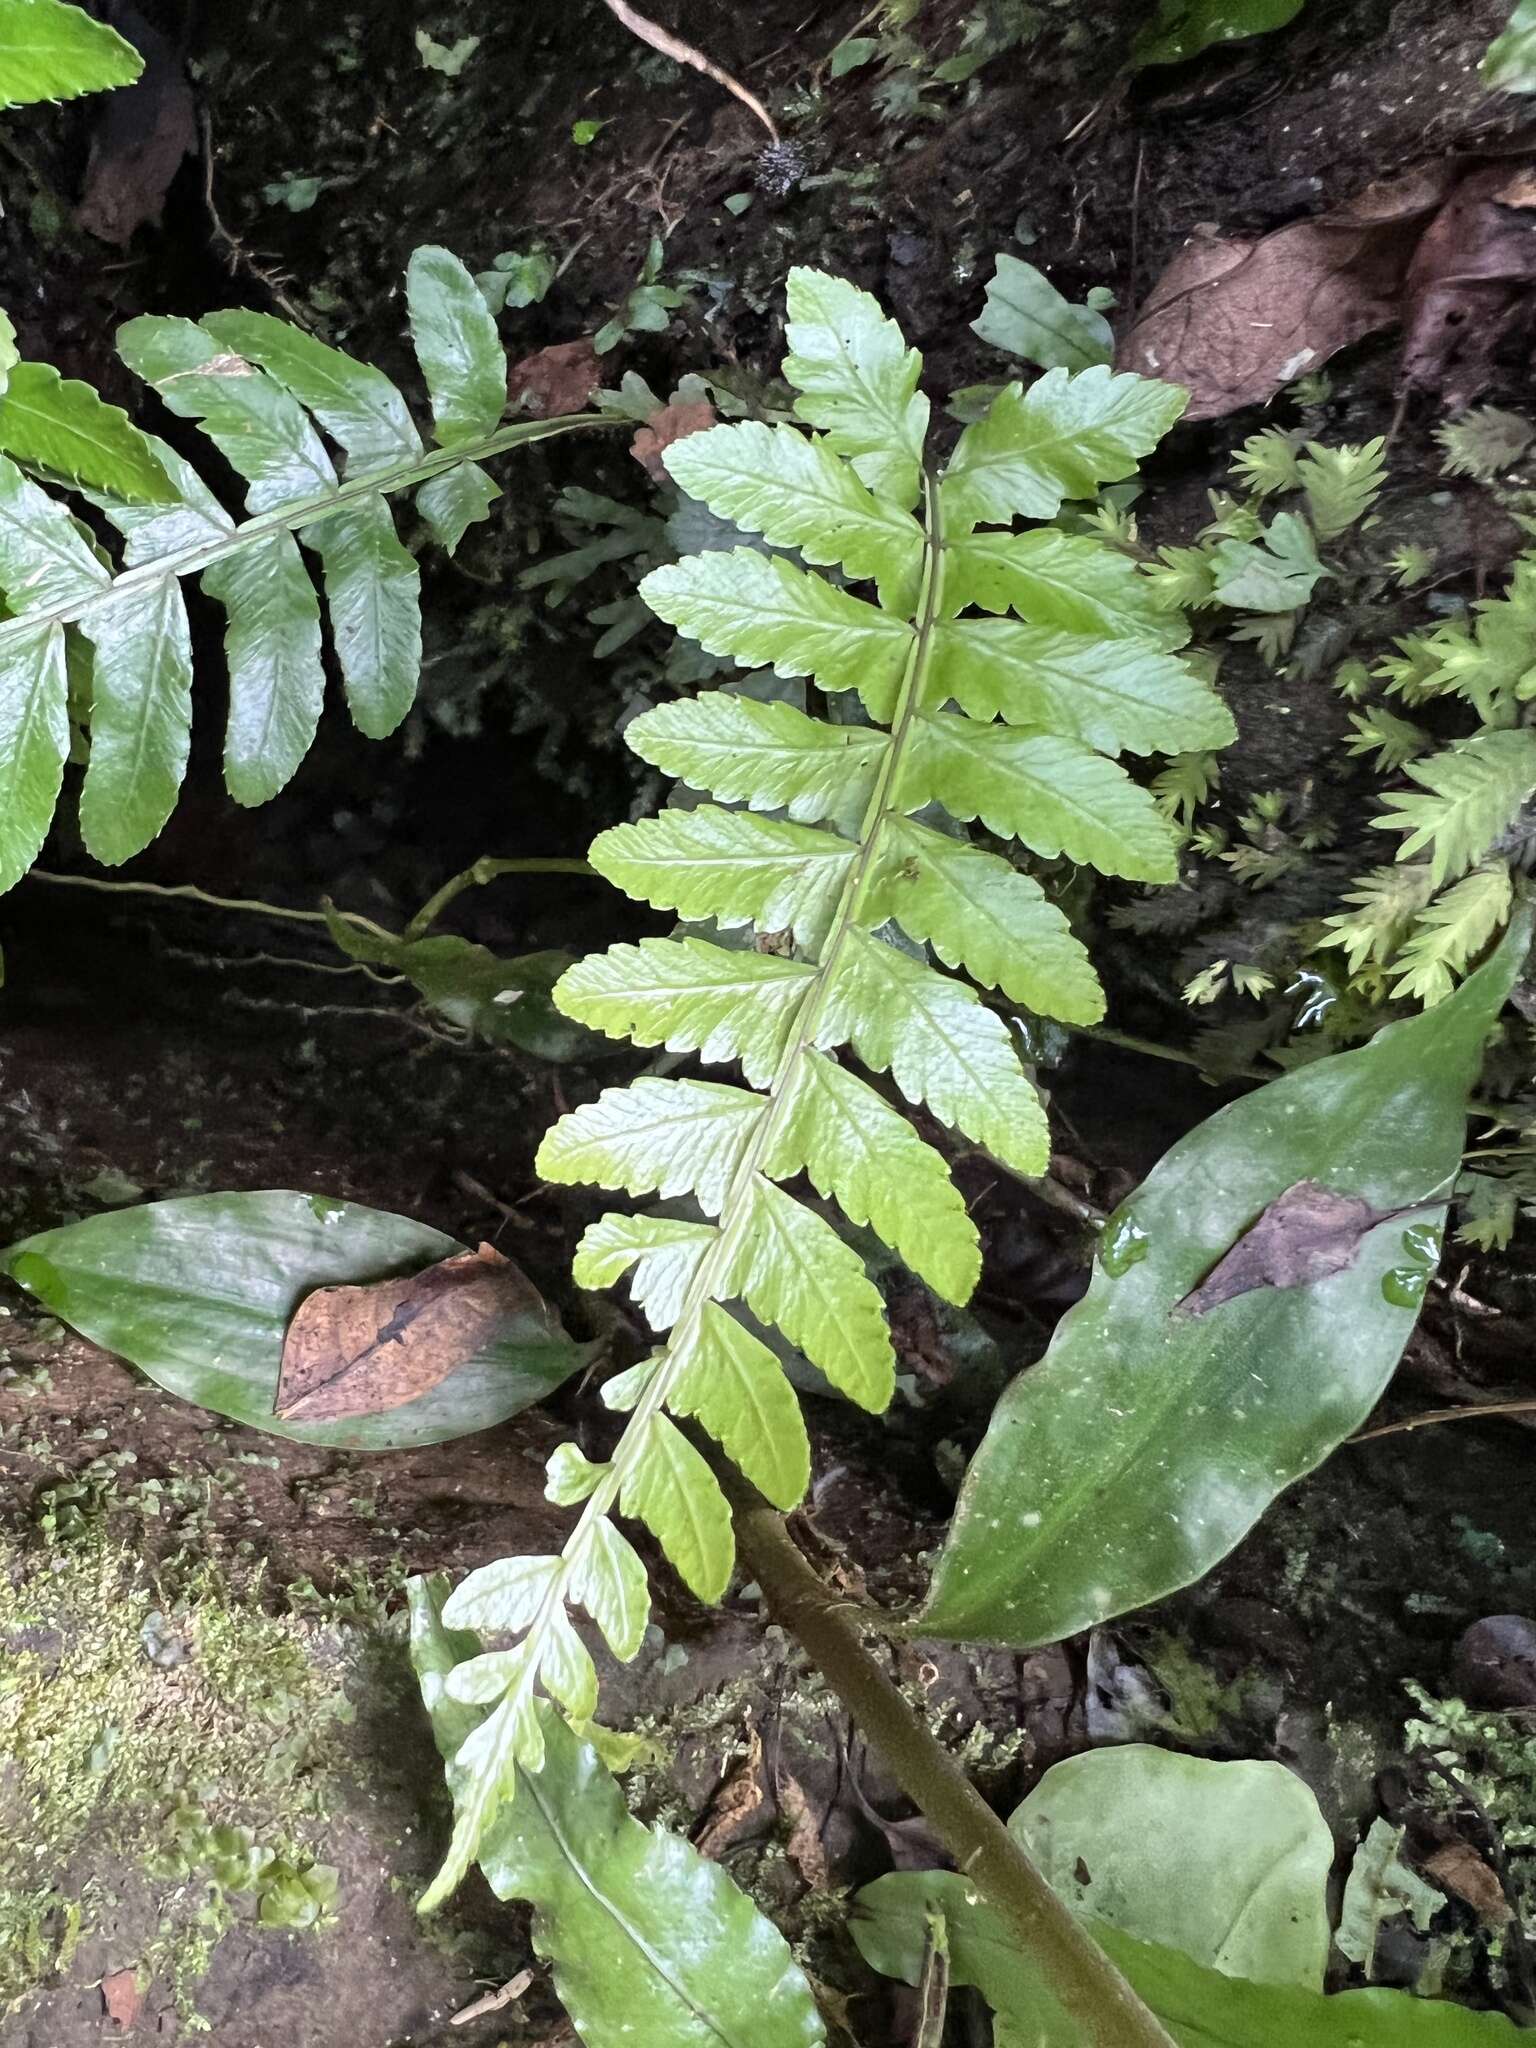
1067	580
979	913
767	756
793	490
691	997
141	719
454	501
731	866
655	1137
66	429
1226	1862
198	1293
1200	2007
1132	699
45	563
1026	316
34	741
51	51
649	1944
1181	29
1055	795
1148	1441
767	613
356	404
733	1386
1061	438
671	1489
660	1253
373	592
858	379
276	677
457	346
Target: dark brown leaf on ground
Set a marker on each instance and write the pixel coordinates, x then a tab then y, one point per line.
739	1798
1459	1870
1305	1234
362	1350
804	1848
672	423
1469	284
1449	251
140	134
554	380
121	1996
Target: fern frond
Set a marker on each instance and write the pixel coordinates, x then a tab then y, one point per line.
1451	932
1467	796
1386	901
1394	741
274	402
827	841
1266	462
1341	484
1483	443
1185	784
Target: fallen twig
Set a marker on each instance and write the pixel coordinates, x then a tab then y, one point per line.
680	52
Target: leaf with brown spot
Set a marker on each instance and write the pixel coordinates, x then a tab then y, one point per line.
363	1350
1304	1235
122	1998
672	423
554	380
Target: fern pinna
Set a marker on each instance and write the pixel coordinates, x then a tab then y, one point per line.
838	843
108	650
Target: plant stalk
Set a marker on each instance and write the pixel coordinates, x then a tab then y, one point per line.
1088	1986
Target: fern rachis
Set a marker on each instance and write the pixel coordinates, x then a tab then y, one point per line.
850	865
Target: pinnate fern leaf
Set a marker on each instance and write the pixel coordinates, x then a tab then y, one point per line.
283	408
1467	797
829	890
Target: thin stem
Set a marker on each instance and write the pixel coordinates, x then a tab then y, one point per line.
190	893
1081	1977
1474	1412
477	875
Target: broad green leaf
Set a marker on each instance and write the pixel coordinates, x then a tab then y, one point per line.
731	1384
1200	2007
141	719
865	1155
1061	438
66	429
457	346
1181	29
192	518
609	1582
50	51
1121	698
794	1271
34	740
660	1254
731	866
505	1595
649	1944
356	404
44	561
765	612
1067	580
256	426
1026	316
793	490
979	913
373	593
1148	1441
768	756
1226	1862
1276	573
655	1137
690	996
9	354
1510	64
939	1045
198	1293
671	1489
1053	794
858	379
276	679
454	501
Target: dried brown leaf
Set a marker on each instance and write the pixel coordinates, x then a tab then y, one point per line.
139	136
739	1798
804	1848
122	1998
671	423
1305	1234
362	1350
1470	283
1459	1870
554	380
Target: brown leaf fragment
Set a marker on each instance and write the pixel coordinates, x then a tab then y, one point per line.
672	423
140	134
1305	1234
1459	1870
739	1797
804	1848
121	1997
554	380
361	1350
1469	284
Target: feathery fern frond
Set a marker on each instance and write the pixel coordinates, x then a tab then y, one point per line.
1450	932
1468	795
1394	741
270	398
1341	484
860	893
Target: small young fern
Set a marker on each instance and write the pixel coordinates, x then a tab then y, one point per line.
848	863
263	392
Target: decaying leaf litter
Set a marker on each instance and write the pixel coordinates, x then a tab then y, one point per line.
903	243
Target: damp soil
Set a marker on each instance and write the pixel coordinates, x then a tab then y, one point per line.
153	1046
